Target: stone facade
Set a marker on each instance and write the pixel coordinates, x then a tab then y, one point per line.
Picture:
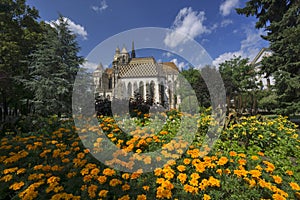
130	76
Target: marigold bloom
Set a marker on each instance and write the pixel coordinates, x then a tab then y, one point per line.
222	161
206	197
182	177
255	173
277	179
102	179
125	187
232	153
103	193
146	187
109	172
141	197
289	172
294	186
114	182
186	161
16	186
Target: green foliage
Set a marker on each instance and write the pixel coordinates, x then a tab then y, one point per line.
282	22
20	33
239	78
53	70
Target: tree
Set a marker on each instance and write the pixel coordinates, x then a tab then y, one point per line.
20	32
53	70
239	80
281	20
193	76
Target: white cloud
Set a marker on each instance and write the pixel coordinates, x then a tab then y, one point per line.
188	24
248	49
226	22
75	28
180	65
103	6
167	54
227	6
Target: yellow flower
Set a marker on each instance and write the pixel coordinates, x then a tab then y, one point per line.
294	186
125	176
125	197
125	187
114	182
146	187
181	168
277	179
232	153
141	197
193	182
103	193
182	178
16	186
186	161
222	161
219	171
102	179
254	158
289	172
6	178
109	172
206	197
278	197
195	176
255	173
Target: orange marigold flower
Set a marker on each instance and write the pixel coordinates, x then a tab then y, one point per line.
114	182
182	177
125	197
109	172
181	168
255	173
125	187
103	193
193	182
242	161
125	176
260	153
206	197
232	153
219	171
294	186
141	197
102	179
16	186
278	197
186	161
289	172
254	158
222	161
146	187
277	179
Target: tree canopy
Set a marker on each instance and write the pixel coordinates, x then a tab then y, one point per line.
281	21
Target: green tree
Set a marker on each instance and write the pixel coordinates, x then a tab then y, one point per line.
239	80
193	76
281	21
53	70
20	32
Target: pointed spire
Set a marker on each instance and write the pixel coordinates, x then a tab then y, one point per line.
132	51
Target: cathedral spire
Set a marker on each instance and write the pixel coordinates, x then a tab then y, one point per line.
132	51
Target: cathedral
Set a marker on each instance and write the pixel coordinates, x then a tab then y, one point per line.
129	76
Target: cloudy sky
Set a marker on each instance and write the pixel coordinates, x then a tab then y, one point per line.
213	24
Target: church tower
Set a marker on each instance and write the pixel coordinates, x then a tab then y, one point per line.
132	51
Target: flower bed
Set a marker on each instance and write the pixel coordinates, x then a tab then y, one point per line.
252	159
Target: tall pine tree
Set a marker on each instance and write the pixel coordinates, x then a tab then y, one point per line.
281	20
53	70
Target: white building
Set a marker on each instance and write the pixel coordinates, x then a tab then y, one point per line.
130	75
265	82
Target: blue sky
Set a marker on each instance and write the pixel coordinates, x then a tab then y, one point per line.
213	24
